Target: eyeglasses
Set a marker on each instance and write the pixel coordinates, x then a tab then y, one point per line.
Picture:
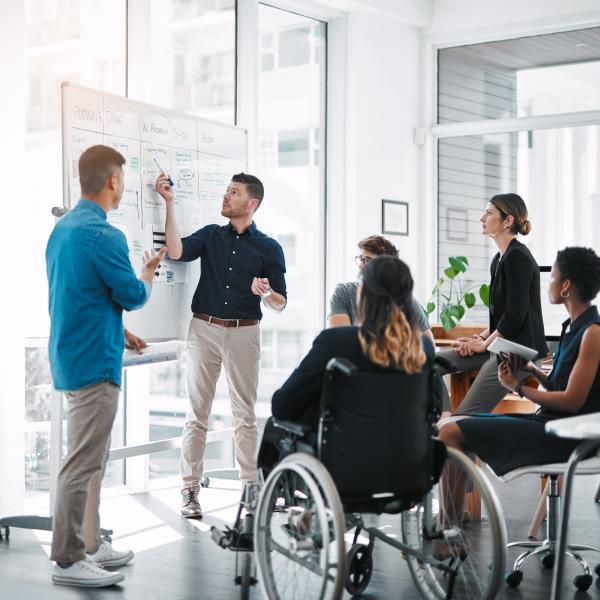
362	260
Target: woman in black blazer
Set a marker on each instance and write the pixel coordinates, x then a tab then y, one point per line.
387	338
515	305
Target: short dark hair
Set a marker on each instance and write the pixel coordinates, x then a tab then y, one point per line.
582	267
96	165
253	185
378	245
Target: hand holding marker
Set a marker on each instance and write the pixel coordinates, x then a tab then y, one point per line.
171	182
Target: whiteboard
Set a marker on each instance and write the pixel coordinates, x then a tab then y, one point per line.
199	155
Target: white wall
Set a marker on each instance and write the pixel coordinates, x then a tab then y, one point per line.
382	108
453	15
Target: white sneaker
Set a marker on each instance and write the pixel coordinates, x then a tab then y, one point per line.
107	556
86	573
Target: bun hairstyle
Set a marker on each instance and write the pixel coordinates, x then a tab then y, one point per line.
388	333
513	205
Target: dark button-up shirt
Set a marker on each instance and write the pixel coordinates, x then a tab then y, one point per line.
229	261
90	282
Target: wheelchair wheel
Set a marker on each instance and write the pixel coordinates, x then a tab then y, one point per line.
476	551
299	532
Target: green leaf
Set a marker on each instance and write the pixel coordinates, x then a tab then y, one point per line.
451	272
458	263
457	311
470	299
484	294
430	308
447	320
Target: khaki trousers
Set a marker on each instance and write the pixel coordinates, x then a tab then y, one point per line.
238	350
91	414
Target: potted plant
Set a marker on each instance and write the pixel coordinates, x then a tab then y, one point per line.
456	300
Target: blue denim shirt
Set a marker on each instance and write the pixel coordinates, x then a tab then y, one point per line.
90	282
228	262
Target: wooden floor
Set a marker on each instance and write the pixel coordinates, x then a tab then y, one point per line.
177	560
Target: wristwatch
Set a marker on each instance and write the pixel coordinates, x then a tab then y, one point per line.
267	293
518	389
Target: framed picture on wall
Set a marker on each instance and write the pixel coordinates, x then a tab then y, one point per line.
457	223
394	217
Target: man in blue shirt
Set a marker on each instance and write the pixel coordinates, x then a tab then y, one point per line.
91	282
239	266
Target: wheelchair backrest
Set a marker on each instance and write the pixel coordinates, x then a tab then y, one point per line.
376	434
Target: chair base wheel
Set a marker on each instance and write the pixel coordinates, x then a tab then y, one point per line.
205	482
513	578
548	561
583	582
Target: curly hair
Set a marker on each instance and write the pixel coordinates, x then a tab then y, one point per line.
582	267
388	334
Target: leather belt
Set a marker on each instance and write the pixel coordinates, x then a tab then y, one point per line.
226	322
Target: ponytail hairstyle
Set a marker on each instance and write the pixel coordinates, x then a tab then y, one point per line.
513	205
388	334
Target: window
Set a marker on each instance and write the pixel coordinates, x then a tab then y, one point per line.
199	41
64	43
550	161
293	148
291	125
294	49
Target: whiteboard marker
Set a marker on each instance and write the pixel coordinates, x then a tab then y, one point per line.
171	182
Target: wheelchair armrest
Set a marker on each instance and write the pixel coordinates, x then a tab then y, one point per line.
298	429
340	364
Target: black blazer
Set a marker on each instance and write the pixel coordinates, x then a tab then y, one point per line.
298	399
515	302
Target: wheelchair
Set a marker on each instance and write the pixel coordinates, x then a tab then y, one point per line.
314	522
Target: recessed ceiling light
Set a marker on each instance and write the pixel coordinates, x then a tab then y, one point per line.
581	45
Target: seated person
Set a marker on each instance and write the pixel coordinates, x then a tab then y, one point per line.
388	338
342	304
507	442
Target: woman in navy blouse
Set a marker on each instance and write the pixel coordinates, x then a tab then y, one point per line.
507	442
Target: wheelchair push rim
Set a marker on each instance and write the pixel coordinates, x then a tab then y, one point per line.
299	532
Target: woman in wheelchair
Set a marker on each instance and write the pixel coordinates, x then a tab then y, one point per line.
387	338
507	442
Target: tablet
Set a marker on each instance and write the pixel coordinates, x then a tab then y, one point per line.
504	346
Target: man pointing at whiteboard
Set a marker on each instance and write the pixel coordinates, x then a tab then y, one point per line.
240	267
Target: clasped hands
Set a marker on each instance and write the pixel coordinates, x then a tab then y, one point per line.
465	346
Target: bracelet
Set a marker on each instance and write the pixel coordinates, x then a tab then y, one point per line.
267	293
519	389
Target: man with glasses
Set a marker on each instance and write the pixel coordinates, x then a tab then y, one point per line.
342	304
